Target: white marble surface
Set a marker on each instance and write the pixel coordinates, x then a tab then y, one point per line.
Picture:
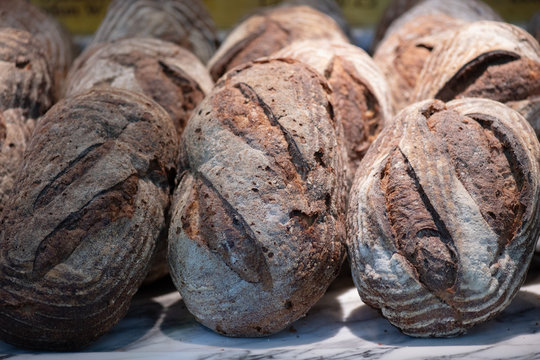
340	326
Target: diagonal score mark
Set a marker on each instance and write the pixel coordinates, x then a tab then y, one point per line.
296	156
262	270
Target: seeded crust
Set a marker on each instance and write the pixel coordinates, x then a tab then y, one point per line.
47	32
269	30
485	59
442	219
186	23
168	74
257	219
90	203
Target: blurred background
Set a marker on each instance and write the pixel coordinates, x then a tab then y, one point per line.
82	17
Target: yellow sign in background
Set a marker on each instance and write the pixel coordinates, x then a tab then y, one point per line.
84	16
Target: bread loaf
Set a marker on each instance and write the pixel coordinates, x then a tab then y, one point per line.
183	22
258	217
360	95
485	59
53	39
163	71
269	30
25	94
413	36
443	217
90	204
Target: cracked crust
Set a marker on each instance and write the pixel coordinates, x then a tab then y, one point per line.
78	235
168	74
270	30
186	23
257	219
442	221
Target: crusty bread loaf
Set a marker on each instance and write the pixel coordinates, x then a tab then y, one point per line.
257	219
411	38
443	219
47	32
360	95
183	22
163	71
25	94
89	205
485	59
269	30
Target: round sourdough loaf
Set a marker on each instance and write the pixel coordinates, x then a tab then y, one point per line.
443	217
257	223
168	74
90	203
183	22
269	30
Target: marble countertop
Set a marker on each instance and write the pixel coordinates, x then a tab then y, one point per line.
339	326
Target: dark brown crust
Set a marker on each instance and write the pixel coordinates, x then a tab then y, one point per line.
48	33
451	191
498	75
169	86
271	228
28	83
270	30
351	97
78	236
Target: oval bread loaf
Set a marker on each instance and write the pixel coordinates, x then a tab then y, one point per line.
443	219
485	59
170	75
258	217
53	39
269	30
91	201
183	22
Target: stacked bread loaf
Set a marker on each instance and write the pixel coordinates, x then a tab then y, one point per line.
252	190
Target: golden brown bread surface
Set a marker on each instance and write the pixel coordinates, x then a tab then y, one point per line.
442	220
89	205
257	219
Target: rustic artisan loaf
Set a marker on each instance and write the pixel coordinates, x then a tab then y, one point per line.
444	215
413	36
25	94
257	220
183	22
270	30
90	204
163	71
360	95
47	32
489	60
